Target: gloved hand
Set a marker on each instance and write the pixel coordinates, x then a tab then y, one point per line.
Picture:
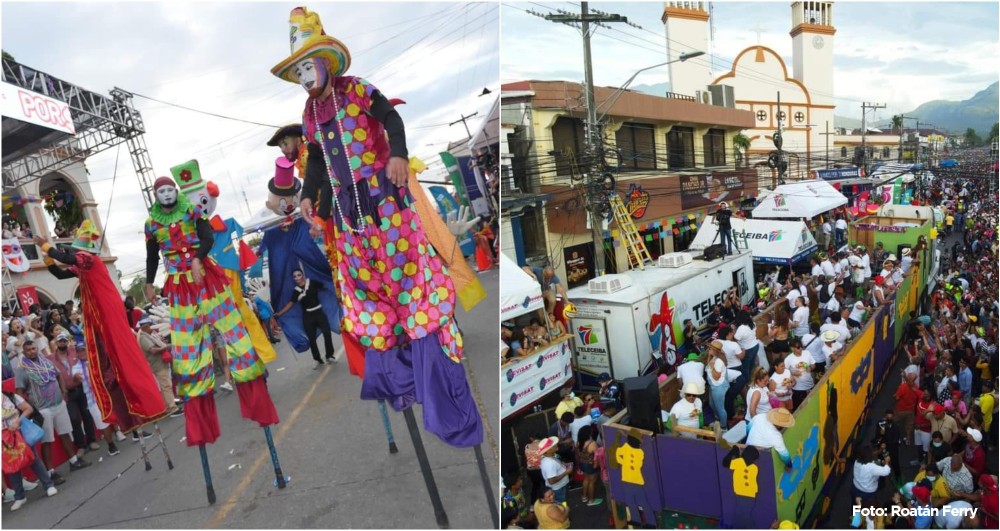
455	222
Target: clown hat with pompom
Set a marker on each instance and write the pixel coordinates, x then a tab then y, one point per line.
86	236
308	40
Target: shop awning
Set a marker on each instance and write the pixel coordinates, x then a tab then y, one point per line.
520	293
805	199
770	241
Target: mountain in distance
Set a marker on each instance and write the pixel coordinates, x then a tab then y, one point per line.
656	89
979	112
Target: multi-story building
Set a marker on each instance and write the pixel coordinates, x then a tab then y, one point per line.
672	158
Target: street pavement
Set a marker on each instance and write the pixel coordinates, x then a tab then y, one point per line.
330	442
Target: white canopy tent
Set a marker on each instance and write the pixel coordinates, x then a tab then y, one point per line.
805	199
520	293
773	242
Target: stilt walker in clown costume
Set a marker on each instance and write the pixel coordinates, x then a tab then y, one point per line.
397	296
199	297
232	257
124	386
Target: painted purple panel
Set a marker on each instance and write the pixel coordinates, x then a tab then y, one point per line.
690	486
635	479
746	487
884	335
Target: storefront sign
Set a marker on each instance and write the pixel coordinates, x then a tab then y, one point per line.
592	353
636	201
34	108
532	377
705	190
839	173
579	261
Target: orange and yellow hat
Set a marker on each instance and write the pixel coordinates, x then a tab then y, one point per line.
307	40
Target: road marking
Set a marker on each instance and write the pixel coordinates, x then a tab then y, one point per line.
230	503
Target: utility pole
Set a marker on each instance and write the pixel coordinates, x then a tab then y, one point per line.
463	119
864	131
595	140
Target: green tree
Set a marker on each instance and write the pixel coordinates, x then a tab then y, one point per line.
995	132
8	56
897	123
137	289
741	143
972	138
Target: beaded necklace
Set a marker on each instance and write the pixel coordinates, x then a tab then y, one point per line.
40	370
329	168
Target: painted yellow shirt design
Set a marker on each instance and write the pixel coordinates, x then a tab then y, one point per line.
744	478
631	460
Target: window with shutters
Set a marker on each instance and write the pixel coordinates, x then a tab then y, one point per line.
568	141
680	148
636	146
715	147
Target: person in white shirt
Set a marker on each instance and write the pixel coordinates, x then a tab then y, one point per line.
801	364
826	265
840	231
827	234
746	337
781	383
734	354
955	513
687	411
793	295
763	433
857	270
897	276
800	317
866	261
837	324
858	312
691	371
718	380
556	474
906	262
758	393
816	269
866	474
832	349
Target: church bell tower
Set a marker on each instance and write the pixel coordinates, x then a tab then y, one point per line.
812	49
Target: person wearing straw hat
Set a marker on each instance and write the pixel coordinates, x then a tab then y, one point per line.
125	389
688	410
555	473
763	433
397	296
831	349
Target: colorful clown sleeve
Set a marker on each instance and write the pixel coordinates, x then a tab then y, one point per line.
469	290
258	337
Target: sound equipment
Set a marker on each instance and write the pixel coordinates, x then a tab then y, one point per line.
642	398
713	252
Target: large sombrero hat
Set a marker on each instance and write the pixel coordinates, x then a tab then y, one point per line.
309	40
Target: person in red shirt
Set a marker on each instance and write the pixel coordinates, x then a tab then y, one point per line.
132	313
989	503
906	397
974	455
922	425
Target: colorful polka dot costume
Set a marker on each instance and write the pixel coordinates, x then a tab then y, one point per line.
397	297
193	309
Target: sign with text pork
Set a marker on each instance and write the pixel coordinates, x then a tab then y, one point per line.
529	378
707	190
34	108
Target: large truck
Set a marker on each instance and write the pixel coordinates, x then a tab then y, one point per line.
646	310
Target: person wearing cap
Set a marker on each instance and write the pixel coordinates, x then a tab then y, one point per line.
126	392
989	502
974	456
924	517
356	180
555	473
288	139
610	390
158	355
65	358
722	218
763	433
942	422
692	370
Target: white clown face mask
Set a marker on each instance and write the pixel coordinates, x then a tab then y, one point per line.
312	76
166	196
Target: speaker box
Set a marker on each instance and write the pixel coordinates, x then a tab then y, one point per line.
642	397
713	252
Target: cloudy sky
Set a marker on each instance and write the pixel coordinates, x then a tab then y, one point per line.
217	57
898	53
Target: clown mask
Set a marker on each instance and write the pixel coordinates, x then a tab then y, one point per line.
206	198
282	205
166	196
14	258
313	76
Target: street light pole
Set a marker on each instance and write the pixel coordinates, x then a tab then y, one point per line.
621	90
